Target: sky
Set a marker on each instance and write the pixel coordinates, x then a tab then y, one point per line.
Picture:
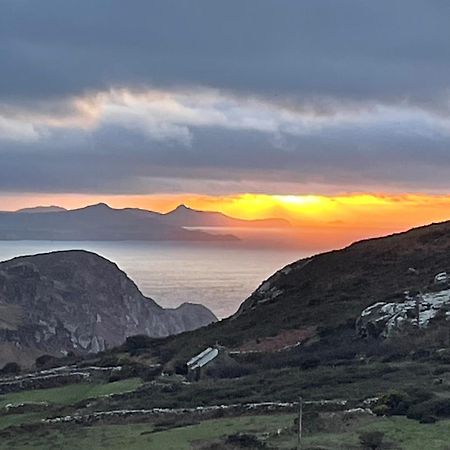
276	106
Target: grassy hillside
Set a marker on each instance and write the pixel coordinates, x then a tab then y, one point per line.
327	291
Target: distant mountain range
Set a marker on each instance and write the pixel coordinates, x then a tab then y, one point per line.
96	222
188	217
101	222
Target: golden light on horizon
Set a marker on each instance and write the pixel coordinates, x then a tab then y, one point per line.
341	218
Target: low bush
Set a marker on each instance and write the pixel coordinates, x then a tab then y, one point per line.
430	410
47	362
11	368
244	440
399	403
442	355
108	361
132	369
418	404
138	342
371	440
231	371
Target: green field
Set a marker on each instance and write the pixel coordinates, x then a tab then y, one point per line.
70	394
404	433
329	431
140	436
11	420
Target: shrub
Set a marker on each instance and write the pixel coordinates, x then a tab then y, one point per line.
310	363
138	342
429	410
47	362
398	403
443	355
230	370
428	419
243	440
108	361
371	440
131	369
180	368
392	404
11	368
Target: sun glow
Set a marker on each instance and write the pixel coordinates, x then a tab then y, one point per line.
331	220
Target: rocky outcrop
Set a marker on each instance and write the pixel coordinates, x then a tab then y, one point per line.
390	319
269	290
78	301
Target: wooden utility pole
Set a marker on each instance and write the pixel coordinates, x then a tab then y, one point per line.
300	420
418	302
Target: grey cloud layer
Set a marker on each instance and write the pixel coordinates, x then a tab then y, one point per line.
317	72
118	160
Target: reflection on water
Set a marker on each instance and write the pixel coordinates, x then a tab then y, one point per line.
218	275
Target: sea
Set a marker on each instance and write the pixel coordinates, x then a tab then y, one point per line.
219	275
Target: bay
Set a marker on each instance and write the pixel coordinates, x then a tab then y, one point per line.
217	275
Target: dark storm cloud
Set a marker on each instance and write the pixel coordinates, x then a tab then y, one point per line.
350	93
385	50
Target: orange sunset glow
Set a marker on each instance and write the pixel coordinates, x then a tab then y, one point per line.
318	219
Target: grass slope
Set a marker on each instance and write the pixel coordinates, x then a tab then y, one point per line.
327	290
72	393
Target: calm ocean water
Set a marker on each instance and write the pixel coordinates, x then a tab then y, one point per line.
217	275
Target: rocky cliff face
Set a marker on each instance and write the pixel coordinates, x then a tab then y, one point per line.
78	301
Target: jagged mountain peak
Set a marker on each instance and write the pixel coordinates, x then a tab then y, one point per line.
183	208
97	206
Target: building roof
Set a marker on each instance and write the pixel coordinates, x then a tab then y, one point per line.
202	358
